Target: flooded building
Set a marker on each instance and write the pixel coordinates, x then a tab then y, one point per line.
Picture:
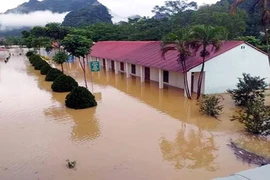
144	59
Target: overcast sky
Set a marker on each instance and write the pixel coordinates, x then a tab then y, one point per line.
120	7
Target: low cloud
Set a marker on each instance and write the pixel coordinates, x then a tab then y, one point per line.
37	18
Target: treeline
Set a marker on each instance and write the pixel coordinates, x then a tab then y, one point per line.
171	17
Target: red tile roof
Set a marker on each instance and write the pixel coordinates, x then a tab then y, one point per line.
148	53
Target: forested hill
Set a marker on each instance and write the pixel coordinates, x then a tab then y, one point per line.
90	14
59	6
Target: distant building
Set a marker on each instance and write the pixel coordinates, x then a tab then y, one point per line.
143	59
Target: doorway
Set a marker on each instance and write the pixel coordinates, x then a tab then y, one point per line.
147	73
112	65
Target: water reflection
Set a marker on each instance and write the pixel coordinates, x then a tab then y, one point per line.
86	126
169	100
191	149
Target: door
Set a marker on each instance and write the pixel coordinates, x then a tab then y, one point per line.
192	82
147	73
112	65
104	63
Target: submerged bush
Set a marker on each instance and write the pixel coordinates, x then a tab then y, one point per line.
35	59
40	64
255	116
45	69
53	74
29	53
80	98
64	83
248	89
210	105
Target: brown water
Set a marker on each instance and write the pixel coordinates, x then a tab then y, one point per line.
136	132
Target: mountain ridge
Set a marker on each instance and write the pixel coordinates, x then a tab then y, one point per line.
55	6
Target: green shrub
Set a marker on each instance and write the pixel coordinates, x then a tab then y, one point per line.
255	116
40	64
248	89
210	105
45	69
80	98
29	53
64	83
35	59
53	74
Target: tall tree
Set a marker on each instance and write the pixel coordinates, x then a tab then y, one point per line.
174	6
60	58
56	32
180	42
78	46
202	37
265	18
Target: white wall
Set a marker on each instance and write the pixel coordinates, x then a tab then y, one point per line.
222	72
154	74
176	79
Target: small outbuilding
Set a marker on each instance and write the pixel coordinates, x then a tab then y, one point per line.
144	59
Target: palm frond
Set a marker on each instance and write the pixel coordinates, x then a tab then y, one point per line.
166	49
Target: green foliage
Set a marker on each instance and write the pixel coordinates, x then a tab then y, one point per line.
60	57
29	53
77	45
88	15
255	116
64	83
80	98
53	74
45	69
217	15
210	105
174	7
40	64
55	31
248	90
34	59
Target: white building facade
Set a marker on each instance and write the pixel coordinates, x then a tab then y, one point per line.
220	74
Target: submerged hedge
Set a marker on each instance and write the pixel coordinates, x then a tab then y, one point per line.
64	83
53	74
80	98
45	69
40	64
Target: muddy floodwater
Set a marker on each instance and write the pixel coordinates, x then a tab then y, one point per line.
137	131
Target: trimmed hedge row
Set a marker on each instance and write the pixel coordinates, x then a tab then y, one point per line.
53	74
64	83
45	69
78	98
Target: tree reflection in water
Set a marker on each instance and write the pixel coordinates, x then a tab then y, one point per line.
190	150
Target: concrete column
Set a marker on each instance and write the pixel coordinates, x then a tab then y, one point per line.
189	83
127	70
160	79
142	74
115	67
107	64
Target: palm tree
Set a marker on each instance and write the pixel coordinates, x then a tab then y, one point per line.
179	42
202	37
265	18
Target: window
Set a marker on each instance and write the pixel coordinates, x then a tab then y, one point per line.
166	76
122	66
133	69
243	47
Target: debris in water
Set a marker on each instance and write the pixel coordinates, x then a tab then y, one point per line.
71	164
248	157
